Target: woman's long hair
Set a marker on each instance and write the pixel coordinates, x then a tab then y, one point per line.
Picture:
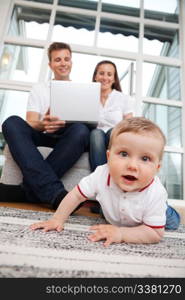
116	85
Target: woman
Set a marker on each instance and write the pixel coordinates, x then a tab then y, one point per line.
114	106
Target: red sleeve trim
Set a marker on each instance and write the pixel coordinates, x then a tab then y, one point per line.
81	192
162	226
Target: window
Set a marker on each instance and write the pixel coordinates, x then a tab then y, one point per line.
161	81
87	4
168	118
74	28
161	41
127	7
42	1
118	35
29	22
20	63
11	103
166	10
171	175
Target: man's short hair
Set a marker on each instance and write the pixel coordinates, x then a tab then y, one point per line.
139	125
58	46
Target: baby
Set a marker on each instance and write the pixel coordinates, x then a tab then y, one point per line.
132	198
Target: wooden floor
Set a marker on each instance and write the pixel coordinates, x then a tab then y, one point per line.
83	211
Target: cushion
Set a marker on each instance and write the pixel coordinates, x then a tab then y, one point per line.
11	174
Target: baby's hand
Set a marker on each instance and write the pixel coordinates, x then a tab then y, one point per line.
51	224
110	233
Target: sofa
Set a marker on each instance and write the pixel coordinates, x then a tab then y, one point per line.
11	174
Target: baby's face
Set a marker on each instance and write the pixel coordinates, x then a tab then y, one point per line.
134	160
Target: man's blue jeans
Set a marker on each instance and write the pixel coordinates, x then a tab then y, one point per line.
41	178
99	141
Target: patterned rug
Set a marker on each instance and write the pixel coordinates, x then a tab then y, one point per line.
25	253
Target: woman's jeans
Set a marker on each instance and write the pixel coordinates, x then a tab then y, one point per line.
97	155
41	178
99	141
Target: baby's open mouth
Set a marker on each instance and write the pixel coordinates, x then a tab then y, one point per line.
130	177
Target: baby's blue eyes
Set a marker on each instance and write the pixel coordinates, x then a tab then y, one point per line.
123	153
146	158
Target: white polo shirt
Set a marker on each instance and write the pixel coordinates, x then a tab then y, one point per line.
116	106
147	206
39	98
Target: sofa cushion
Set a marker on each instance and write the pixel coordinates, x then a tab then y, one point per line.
11	174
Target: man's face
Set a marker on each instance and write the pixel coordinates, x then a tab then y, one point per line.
61	64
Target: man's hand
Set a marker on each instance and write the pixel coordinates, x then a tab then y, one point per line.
52	224
52	124
109	233
49	123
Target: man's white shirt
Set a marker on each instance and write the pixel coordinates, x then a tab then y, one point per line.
39	98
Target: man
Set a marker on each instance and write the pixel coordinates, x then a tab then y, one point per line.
41	178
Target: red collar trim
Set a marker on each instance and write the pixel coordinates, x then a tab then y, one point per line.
108	180
146	186
108	183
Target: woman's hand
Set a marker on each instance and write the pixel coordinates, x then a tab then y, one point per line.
52	224
109	233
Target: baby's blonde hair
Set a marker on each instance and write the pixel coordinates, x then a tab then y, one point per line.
138	125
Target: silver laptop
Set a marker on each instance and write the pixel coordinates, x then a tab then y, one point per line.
75	102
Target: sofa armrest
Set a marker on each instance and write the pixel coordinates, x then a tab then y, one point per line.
11	173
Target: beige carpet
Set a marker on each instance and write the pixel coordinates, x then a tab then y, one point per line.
26	253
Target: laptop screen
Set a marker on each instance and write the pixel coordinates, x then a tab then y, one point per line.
73	101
